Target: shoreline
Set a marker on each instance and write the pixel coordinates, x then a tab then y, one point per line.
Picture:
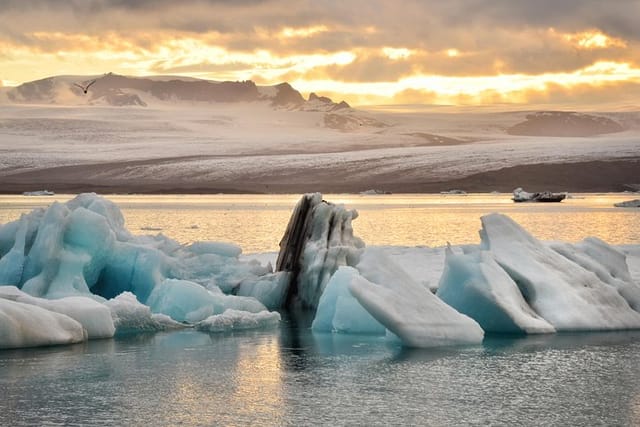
579	177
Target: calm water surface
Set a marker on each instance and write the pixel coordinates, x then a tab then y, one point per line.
257	222
293	377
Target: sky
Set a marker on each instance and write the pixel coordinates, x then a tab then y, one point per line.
461	52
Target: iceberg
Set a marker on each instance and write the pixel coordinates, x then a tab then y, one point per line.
189	302
474	284
131	316
78	259
565	294
270	289
94	317
339	311
73	272
414	314
26	325
318	240
606	262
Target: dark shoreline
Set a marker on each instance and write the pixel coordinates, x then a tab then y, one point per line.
591	176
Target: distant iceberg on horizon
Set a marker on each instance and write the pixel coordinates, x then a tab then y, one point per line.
73	272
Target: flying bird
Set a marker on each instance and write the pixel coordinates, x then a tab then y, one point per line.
84	88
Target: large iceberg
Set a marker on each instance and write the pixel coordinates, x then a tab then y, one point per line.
564	293
78	259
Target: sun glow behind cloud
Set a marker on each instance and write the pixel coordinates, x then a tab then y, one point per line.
593	39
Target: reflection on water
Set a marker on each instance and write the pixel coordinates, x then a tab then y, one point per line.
257	222
293	377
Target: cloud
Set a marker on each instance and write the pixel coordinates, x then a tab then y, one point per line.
343	45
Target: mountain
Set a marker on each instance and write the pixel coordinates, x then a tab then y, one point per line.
117	90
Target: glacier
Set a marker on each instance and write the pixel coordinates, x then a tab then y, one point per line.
73	271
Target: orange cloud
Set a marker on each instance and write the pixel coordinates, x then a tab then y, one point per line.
593	39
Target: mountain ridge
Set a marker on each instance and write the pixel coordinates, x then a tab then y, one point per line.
119	90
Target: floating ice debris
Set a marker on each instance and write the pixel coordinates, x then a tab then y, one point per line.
236	320
39	193
635	203
519	195
151	228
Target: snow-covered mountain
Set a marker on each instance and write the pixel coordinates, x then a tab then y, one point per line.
166	133
117	90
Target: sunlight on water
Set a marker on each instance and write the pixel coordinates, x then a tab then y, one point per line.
295	377
257	222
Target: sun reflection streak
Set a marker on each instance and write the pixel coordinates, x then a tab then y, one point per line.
259	380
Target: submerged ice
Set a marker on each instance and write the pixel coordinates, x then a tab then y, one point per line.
73	272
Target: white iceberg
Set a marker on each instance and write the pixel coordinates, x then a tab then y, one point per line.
26	325
318	240
565	294
606	262
409	310
474	284
94	317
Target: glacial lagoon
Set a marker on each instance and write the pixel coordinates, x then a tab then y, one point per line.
291	376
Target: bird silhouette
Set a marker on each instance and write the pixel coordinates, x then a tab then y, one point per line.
85	88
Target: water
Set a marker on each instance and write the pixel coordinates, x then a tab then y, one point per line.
257	222
293	377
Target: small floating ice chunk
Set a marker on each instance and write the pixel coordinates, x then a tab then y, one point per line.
189	302
635	203
129	316
236	320
39	193
150	228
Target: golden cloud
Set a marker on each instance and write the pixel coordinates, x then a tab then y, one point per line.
591	39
